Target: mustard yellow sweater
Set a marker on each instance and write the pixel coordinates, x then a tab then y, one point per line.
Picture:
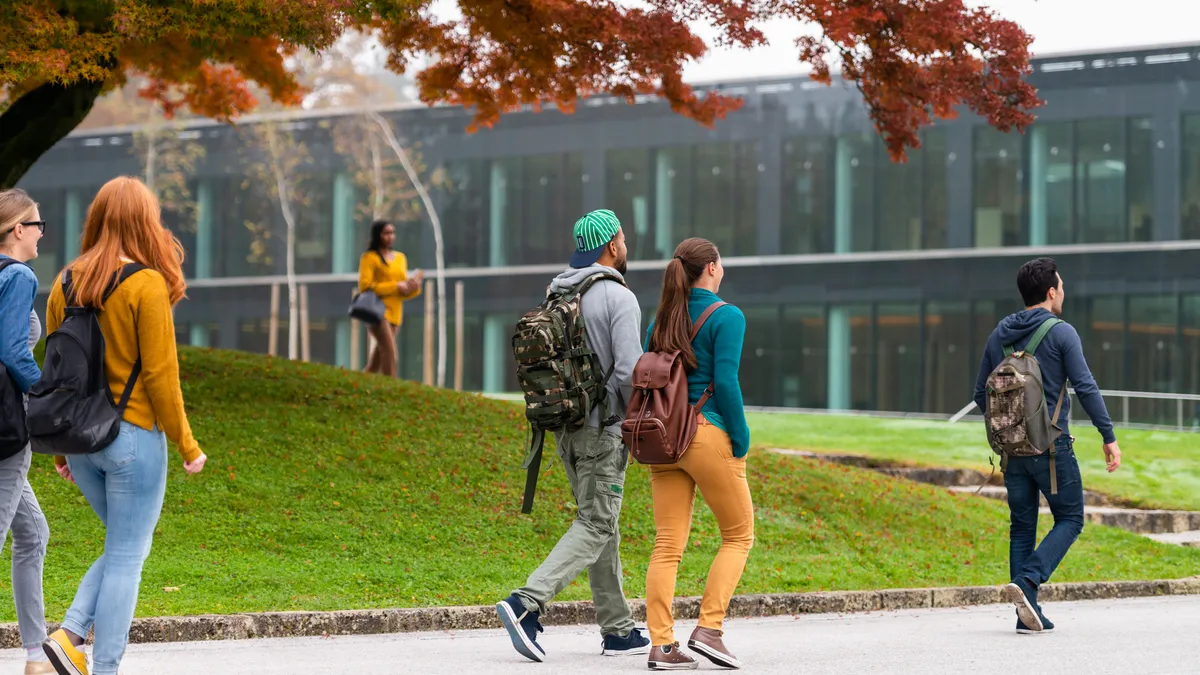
137	321
385	280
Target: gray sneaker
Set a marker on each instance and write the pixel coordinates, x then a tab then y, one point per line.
668	657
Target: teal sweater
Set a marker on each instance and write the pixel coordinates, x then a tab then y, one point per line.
718	349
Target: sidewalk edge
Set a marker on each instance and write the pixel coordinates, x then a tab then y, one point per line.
377	621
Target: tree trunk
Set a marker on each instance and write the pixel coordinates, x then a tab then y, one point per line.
438	252
285	205
151	155
38	120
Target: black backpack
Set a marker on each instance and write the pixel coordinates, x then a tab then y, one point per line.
13	434
71	409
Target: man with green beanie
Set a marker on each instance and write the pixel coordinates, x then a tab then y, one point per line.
594	456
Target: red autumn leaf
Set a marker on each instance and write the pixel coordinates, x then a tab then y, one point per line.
912	59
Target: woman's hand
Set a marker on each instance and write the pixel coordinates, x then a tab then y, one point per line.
196	465
65	472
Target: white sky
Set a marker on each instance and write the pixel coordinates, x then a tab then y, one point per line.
1056	26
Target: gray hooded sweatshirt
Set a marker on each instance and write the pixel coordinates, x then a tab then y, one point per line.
612	319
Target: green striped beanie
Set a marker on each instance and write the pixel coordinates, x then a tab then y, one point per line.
595	230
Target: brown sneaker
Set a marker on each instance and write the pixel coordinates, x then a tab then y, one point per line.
707	643
668	657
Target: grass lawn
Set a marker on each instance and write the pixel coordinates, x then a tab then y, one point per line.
1158	468
334	490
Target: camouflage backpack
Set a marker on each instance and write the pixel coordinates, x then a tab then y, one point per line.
1017	421
559	374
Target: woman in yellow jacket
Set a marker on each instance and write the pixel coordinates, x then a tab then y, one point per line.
385	272
124	483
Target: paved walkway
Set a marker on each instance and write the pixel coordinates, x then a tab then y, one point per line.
1144	636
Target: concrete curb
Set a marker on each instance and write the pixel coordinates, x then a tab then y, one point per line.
376	621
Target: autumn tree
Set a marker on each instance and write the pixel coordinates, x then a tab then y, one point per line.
169	157
912	59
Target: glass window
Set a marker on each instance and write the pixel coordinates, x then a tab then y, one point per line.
806	195
666	195
761	356
803	365
1051	184
851	376
898	355
1190	187
854	193
949	357
254	335
632	184
1103	336
410	342
543	197
1191	346
936	162
313	208
1100	180
464	213
1140	181
898	223
999	199
246	237
1153	355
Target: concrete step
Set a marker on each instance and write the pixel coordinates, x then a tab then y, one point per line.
1001	493
1190	538
1098	508
1147	521
945	477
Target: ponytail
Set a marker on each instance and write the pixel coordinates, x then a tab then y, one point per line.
672	322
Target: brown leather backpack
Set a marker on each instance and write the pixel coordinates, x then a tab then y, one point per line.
660	424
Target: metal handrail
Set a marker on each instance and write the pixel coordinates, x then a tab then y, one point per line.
1124	396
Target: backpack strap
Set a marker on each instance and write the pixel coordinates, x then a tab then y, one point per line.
1040	334
126	271
708	392
605	418
6	261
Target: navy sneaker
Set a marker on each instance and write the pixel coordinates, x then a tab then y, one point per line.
1047	624
522	626
1022	594
634	643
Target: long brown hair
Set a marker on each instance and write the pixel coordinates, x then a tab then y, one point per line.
124	220
672	323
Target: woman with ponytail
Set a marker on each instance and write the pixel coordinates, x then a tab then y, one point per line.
715	462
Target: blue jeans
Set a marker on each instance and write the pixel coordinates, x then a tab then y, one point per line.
125	484
1025	479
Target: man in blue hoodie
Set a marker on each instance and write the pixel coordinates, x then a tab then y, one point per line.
1060	356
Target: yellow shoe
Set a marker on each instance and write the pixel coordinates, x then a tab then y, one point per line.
66	657
39	668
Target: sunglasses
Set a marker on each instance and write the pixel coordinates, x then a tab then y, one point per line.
39	224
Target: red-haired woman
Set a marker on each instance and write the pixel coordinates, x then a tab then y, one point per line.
125	483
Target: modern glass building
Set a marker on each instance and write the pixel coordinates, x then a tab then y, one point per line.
867	284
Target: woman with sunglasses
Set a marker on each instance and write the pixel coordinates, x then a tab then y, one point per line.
20	229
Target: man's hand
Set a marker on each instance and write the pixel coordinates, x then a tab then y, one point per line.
1112	455
65	472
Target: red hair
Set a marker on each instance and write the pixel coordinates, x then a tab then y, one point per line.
124	221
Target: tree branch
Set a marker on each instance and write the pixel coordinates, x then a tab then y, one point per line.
39	119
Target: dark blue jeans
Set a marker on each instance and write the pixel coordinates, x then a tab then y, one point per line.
1025	479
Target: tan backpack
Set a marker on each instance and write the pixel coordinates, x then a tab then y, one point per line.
660	423
1017	420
